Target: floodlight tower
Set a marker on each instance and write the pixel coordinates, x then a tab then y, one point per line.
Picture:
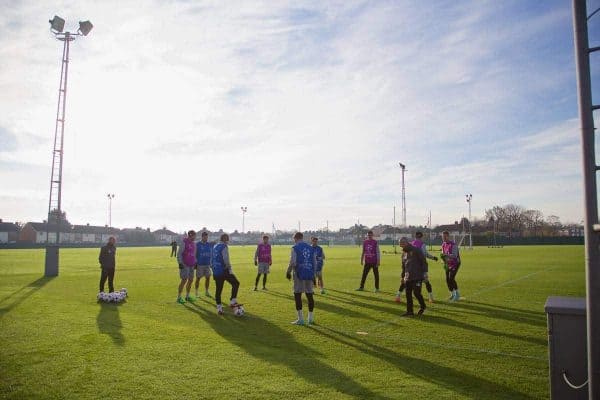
110	196
403	195
57	25
469	199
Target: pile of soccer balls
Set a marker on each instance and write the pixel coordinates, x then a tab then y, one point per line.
113	297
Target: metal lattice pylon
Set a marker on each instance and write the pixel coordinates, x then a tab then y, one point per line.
54	204
590	169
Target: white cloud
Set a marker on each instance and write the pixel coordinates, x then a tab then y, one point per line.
299	110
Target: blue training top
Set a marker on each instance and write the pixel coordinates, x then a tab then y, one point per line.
217	262
203	252
320	257
305	268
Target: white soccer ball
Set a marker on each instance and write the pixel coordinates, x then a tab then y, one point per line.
124	291
118	297
100	296
104	297
239	311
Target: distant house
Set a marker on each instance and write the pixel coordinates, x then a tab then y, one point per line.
9	232
93	234
41	232
35	232
453	229
137	235
165	236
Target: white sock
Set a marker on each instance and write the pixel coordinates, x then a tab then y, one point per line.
220	307
300	316
233	301
311	316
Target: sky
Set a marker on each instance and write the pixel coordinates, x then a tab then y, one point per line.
298	110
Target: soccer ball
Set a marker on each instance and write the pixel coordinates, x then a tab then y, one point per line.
118	297
103	296
100	296
124	291
239	311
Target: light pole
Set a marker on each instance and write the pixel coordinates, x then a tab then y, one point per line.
110	197
394	228
469	199
403	196
57	25
244	210
429	226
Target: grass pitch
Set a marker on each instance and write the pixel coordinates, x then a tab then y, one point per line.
56	342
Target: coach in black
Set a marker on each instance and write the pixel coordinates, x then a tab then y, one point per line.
107	264
414	267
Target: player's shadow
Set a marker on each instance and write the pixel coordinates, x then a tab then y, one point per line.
458	324
500	312
322	304
450	378
109	322
355	300
20	295
264	340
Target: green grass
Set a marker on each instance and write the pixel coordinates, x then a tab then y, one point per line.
57	342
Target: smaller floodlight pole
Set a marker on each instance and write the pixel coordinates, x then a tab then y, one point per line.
403	196
110	196
469	199
244	210
55	199
394	228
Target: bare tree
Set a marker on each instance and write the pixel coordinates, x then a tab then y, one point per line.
534	221
497	214
516	219
554	225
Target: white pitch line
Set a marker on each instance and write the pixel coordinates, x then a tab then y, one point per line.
489	288
476	350
464	348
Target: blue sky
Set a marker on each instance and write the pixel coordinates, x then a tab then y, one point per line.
301	111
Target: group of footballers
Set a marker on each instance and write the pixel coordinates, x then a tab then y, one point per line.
203	259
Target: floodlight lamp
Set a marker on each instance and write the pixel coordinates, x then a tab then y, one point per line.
57	24
85	27
402	165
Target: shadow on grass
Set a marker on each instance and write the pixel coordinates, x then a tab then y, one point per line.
458	324
452	379
320	304
354	300
506	313
264	340
20	295
109	322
